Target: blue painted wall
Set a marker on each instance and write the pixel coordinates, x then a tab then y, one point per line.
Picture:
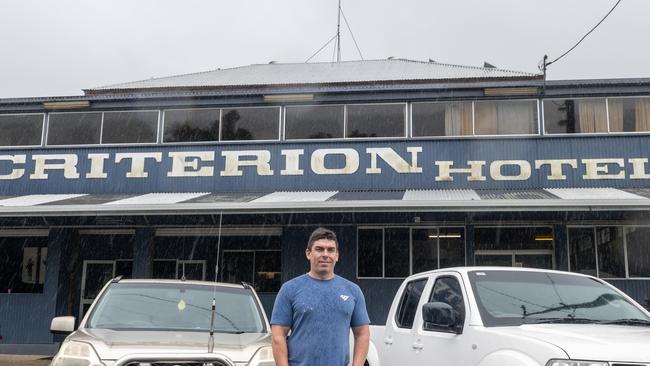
457	150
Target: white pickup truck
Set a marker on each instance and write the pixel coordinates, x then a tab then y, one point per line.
485	316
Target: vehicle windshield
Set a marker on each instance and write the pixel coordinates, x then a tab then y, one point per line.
186	307
519	297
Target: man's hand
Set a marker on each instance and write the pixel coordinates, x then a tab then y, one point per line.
279	339
361	344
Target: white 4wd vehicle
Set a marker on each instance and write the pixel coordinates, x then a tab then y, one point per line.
511	317
167	322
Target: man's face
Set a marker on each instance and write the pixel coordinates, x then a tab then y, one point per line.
323	256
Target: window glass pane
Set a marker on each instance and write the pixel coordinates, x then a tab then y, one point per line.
514	238
124	269
130	127
498	260
629	114
447	290
164	269
238	267
369	254
505	118
582	251
21	129
452	247
250	124
611	263
425	249
314	122
22	264
375	120
267	271
408	305
575	116
442	119
191	125
74	128
638	251
396	246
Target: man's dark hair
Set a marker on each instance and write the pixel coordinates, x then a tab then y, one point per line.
322	233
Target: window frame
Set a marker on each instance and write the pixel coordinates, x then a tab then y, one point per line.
164	123
618	133
284	122
158	121
405	127
544	133
43	130
538	114
47	133
625	251
279	127
254	251
410	249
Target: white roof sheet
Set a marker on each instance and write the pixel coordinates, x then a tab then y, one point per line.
36	199
441	195
157	199
322	73
274	197
592	194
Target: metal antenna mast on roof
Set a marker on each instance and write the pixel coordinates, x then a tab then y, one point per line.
338	35
337	38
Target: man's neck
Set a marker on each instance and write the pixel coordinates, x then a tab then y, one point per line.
322	277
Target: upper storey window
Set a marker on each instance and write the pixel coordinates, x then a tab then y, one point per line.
250	124
575	115
505	118
629	114
376	120
442	119
314	122
91	128
130	127
188	125
474	118
74	128
21	129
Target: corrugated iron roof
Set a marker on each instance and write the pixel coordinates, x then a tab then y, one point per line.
277	74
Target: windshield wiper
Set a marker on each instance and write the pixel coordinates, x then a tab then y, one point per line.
563	320
639	322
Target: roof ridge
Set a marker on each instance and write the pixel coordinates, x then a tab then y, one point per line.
170	76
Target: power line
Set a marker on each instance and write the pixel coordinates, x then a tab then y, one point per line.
546	64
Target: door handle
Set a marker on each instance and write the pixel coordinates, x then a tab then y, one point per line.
388	341
417	345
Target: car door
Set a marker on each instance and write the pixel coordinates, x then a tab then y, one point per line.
437	345
399	328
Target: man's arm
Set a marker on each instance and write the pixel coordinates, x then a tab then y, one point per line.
279	339
361	344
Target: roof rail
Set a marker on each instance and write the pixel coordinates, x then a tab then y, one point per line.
117	279
247	285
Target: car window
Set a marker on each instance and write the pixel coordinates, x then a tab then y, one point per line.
448	290
408	305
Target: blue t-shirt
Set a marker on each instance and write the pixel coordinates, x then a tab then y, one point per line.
320	314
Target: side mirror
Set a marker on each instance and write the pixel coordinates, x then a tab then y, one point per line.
62	325
439	316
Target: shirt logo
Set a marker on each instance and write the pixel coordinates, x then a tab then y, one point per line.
345	297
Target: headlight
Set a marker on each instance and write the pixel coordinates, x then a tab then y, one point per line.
576	363
263	357
76	354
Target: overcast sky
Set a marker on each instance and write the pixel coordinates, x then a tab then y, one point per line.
60	47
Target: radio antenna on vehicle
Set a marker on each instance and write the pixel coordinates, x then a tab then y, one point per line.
214	291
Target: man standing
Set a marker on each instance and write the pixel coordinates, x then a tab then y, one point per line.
320	308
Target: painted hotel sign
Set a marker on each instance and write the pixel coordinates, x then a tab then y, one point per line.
426	165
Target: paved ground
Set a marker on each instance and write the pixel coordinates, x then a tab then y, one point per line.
15	360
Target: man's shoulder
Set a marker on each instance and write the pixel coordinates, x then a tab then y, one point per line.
347	283
292	283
